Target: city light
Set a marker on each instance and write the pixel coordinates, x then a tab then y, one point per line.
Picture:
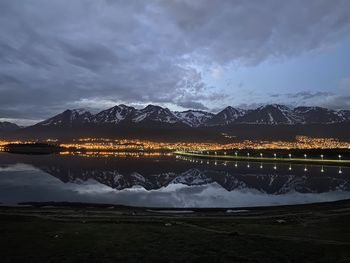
103	144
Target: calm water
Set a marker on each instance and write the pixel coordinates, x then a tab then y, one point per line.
166	181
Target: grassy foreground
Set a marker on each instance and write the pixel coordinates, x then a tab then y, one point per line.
76	233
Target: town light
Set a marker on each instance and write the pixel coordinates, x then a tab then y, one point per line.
290	156
261	155
339	156
322	157
274	155
305	155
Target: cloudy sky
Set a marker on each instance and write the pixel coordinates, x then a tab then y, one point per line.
201	54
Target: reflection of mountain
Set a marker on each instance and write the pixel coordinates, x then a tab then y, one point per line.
155	173
266	183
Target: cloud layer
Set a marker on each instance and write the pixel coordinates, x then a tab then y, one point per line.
59	54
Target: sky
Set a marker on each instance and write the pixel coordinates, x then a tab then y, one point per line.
180	54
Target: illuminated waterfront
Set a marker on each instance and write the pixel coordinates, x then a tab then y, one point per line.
102	144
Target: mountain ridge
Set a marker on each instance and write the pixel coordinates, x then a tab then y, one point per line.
268	122
270	114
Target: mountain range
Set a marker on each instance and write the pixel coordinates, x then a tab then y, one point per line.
124	121
273	114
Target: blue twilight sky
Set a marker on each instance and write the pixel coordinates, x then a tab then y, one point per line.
181	54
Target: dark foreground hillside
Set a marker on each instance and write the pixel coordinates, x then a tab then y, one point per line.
307	233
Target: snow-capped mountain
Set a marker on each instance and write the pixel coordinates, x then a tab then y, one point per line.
194	118
320	115
68	118
114	115
155	114
270	114
273	114
226	116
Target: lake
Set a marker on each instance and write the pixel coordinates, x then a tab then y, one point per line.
166	181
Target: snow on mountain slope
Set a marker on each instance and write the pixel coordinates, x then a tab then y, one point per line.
194	118
270	114
68	118
226	116
154	113
114	115
318	115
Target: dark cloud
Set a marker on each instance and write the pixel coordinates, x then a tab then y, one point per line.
306	95
329	100
58	54
193	105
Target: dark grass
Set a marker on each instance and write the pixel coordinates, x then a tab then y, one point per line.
314	233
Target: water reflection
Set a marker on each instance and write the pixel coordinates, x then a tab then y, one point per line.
266	166
167	181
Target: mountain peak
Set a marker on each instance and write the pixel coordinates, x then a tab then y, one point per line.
269	114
